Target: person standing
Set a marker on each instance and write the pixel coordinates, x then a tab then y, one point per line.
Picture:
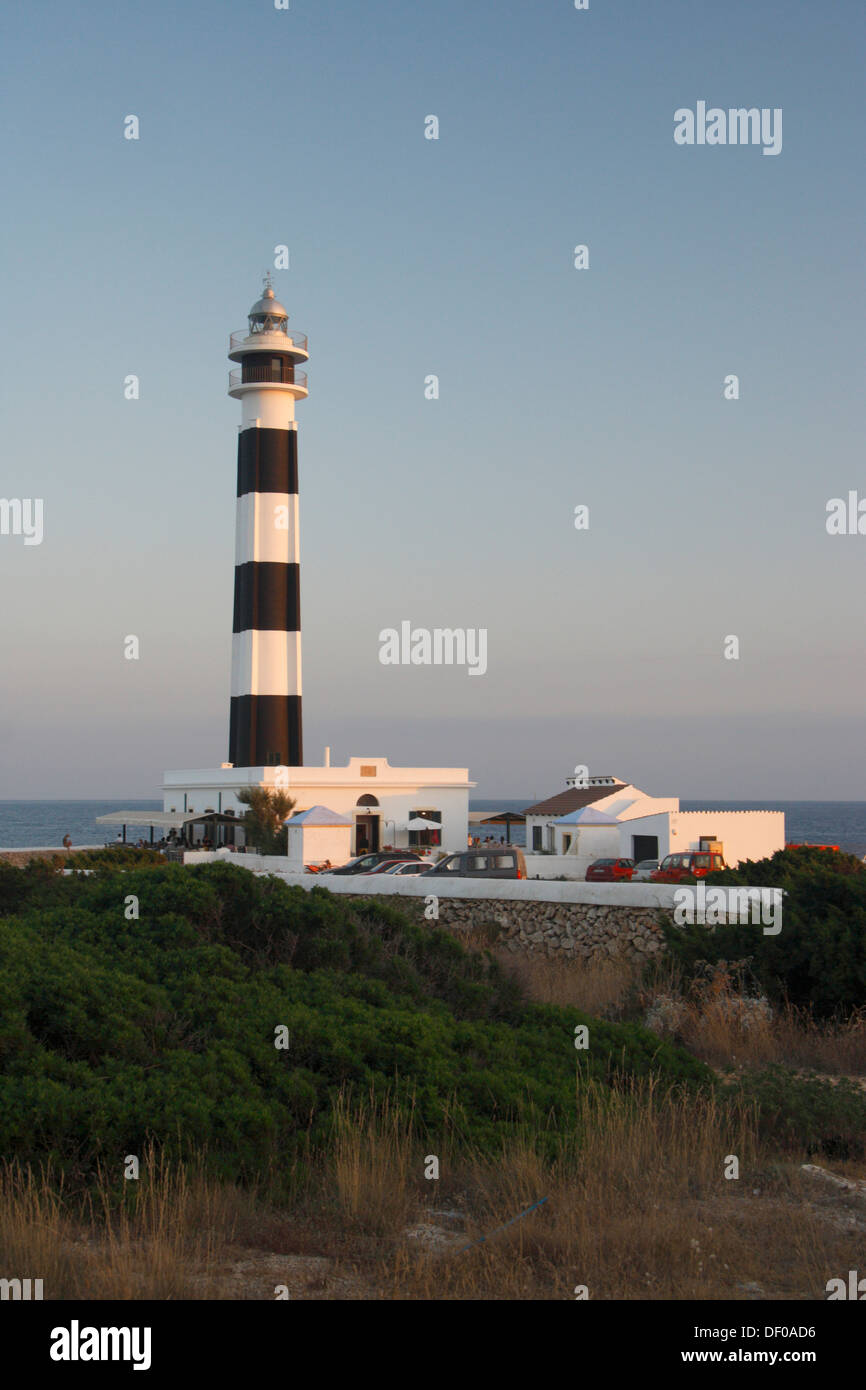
67	842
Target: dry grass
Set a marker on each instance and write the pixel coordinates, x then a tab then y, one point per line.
637	1206
374	1155
709	1016
139	1242
723	1028
641	1210
599	987
792	1038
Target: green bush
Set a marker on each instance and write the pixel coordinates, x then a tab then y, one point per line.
807	1112
116	1031
818	959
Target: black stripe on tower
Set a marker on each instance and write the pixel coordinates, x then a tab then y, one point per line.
267	597
267	461
265	730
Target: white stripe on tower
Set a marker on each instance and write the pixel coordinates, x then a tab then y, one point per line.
265	726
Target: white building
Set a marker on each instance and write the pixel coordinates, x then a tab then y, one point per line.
319	835
604	817
380	800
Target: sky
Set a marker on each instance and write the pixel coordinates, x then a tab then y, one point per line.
559	387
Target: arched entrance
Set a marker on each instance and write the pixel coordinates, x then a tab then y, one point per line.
366	824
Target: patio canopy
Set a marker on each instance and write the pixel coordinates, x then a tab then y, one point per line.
167	820
161	820
506	818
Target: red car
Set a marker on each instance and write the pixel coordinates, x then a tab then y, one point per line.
806	845
610	871
677	868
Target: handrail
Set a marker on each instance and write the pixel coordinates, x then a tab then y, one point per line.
269	377
241	339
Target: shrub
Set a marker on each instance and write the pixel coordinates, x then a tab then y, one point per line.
806	1112
818	959
115	1032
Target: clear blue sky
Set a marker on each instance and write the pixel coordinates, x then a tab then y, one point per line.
558	387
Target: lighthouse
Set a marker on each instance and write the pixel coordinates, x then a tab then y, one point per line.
364	804
265	717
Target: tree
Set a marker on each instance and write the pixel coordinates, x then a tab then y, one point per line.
263	822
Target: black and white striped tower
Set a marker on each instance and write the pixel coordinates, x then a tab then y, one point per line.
265	725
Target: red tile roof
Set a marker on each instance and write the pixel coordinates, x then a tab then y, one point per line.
572	799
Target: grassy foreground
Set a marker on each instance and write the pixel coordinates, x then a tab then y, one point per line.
139	1017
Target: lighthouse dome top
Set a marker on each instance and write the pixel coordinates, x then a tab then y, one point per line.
267	314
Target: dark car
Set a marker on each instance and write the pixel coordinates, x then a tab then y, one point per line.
610	871
503	862
365	863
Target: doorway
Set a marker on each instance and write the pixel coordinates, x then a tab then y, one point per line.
366	834
644	847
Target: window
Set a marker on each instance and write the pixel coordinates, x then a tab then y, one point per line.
566	843
536	838
421	838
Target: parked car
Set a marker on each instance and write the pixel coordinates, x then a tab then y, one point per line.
643	870
411	866
610	871
389	865
677	868
365	862
505	861
806	845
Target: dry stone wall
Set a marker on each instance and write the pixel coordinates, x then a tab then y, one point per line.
587	931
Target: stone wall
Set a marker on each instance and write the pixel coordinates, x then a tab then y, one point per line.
584	920
587	931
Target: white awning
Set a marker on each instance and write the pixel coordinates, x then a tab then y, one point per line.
160	820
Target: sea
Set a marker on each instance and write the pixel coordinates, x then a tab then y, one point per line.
43	824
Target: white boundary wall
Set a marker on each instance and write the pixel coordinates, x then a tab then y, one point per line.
659	895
